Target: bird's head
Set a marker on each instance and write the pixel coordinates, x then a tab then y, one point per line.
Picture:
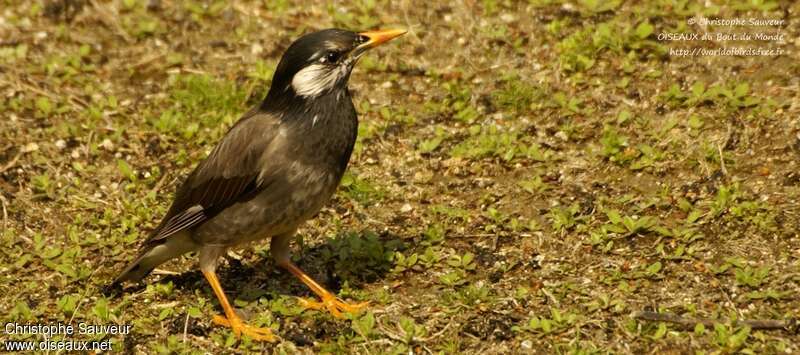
320	62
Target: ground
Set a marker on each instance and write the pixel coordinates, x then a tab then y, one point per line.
529	176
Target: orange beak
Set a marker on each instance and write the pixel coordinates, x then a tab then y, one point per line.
378	37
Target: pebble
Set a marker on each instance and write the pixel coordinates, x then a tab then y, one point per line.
256	49
30	147
526	344
406	208
507	18
107	144
61	144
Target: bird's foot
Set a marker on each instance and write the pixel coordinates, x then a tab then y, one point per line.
239	327
334	305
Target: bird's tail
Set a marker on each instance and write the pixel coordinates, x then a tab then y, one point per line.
155	255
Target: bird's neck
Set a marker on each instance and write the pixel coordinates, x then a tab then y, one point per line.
289	105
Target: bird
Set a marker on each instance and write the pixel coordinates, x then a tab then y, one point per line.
275	168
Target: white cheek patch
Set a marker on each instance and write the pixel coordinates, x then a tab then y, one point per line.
315	79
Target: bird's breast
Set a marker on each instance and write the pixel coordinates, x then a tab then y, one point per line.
311	154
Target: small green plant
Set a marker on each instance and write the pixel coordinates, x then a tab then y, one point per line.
632	225
534	185
464	262
519	96
429	145
161	289
434	234
364	326
564	218
732	96
751	277
359	256
556	322
472	295
43	186
411	331
491	141
615	147
403	263
729	338
67	304
430	257
360	190
453	278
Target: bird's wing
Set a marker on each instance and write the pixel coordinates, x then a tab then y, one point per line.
231	173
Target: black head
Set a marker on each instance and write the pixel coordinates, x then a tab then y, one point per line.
320	63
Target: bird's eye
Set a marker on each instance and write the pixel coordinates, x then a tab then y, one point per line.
331	57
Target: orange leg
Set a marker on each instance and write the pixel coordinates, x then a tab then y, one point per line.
232	320
329	301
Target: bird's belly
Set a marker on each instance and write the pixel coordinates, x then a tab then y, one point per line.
278	209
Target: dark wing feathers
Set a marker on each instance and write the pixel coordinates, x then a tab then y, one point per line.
229	175
181	221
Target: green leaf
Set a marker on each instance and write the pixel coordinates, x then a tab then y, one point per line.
429	145
50	253
21	261
737	339
694	216
194	312
67	304
128	4
699	329
364	326
101	310
624	116
166	312
68	270
125	170
614	216
547	325
695	122
654	268
698	89
661	331
21	311
44	105
741	90
644	30
467	259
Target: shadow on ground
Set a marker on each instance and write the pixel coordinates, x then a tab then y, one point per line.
352	258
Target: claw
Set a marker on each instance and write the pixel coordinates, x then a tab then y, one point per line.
333	305
238	327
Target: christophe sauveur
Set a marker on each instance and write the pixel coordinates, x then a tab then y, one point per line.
67	329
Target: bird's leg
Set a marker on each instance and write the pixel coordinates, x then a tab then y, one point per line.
329	301
232	320
280	251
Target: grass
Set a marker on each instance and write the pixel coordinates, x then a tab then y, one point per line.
528	175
